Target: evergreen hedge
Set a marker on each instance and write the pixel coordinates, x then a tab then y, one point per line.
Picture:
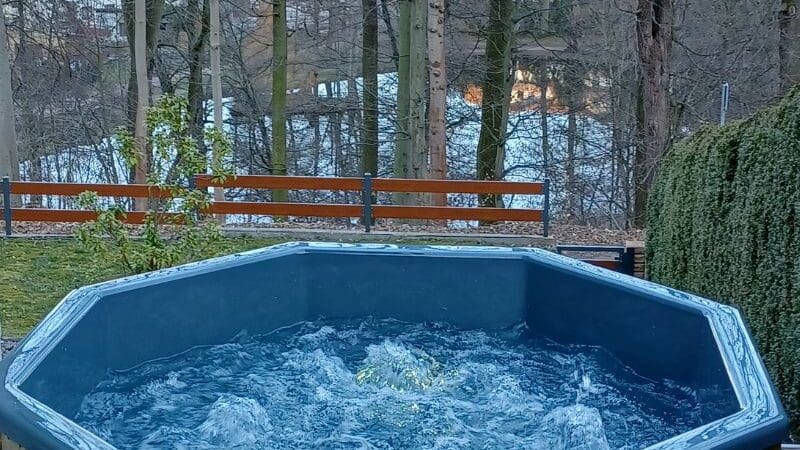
724	222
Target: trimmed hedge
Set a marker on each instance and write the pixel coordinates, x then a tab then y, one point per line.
724	222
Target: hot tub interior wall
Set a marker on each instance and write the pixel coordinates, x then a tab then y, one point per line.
130	327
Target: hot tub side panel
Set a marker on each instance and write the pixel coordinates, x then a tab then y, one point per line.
467	292
657	339
131	326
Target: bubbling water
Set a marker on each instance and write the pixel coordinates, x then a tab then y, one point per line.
387	384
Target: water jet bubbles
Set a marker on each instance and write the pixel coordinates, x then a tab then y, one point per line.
576	428
372	383
398	366
235	422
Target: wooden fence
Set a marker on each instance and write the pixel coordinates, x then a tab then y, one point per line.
367	210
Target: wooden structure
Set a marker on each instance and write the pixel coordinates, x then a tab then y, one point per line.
366	210
628	259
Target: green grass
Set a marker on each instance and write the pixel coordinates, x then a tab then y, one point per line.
36	274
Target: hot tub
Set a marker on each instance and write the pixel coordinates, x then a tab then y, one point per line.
658	332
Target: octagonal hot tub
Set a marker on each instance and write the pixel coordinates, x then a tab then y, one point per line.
353	346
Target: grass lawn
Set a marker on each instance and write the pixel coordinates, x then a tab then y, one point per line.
36	274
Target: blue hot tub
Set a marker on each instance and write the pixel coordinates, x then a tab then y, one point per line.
656	331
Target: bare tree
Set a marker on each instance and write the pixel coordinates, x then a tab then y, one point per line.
495	102
417	128
197	29
787	13
437	74
402	152
9	164
216	78
279	61
142	97
369	65
654	31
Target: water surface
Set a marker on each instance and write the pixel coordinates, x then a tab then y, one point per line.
381	384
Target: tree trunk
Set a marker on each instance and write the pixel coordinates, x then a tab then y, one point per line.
216	81
369	66
495	101
640	158
402	142
437	74
279	57
500	160
544	7
544	107
387	20
418	102
787	13
142	98
654	30
197	34
573	95
142	24
9	161
316	146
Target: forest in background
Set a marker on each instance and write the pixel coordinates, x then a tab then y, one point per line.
587	93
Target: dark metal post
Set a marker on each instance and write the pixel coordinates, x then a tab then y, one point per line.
546	209
7	204
366	191
627	261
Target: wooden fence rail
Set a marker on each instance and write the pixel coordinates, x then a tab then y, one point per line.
367	210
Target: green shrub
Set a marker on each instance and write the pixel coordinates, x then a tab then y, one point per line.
176	159
724	222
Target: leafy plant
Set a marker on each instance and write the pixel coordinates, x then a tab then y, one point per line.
172	231
724	221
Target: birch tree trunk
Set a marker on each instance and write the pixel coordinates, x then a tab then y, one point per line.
142	21
654	19
9	162
437	74
495	102
369	66
279	57
142	97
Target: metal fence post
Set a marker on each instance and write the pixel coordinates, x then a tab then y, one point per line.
546	209
366	192
7	204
